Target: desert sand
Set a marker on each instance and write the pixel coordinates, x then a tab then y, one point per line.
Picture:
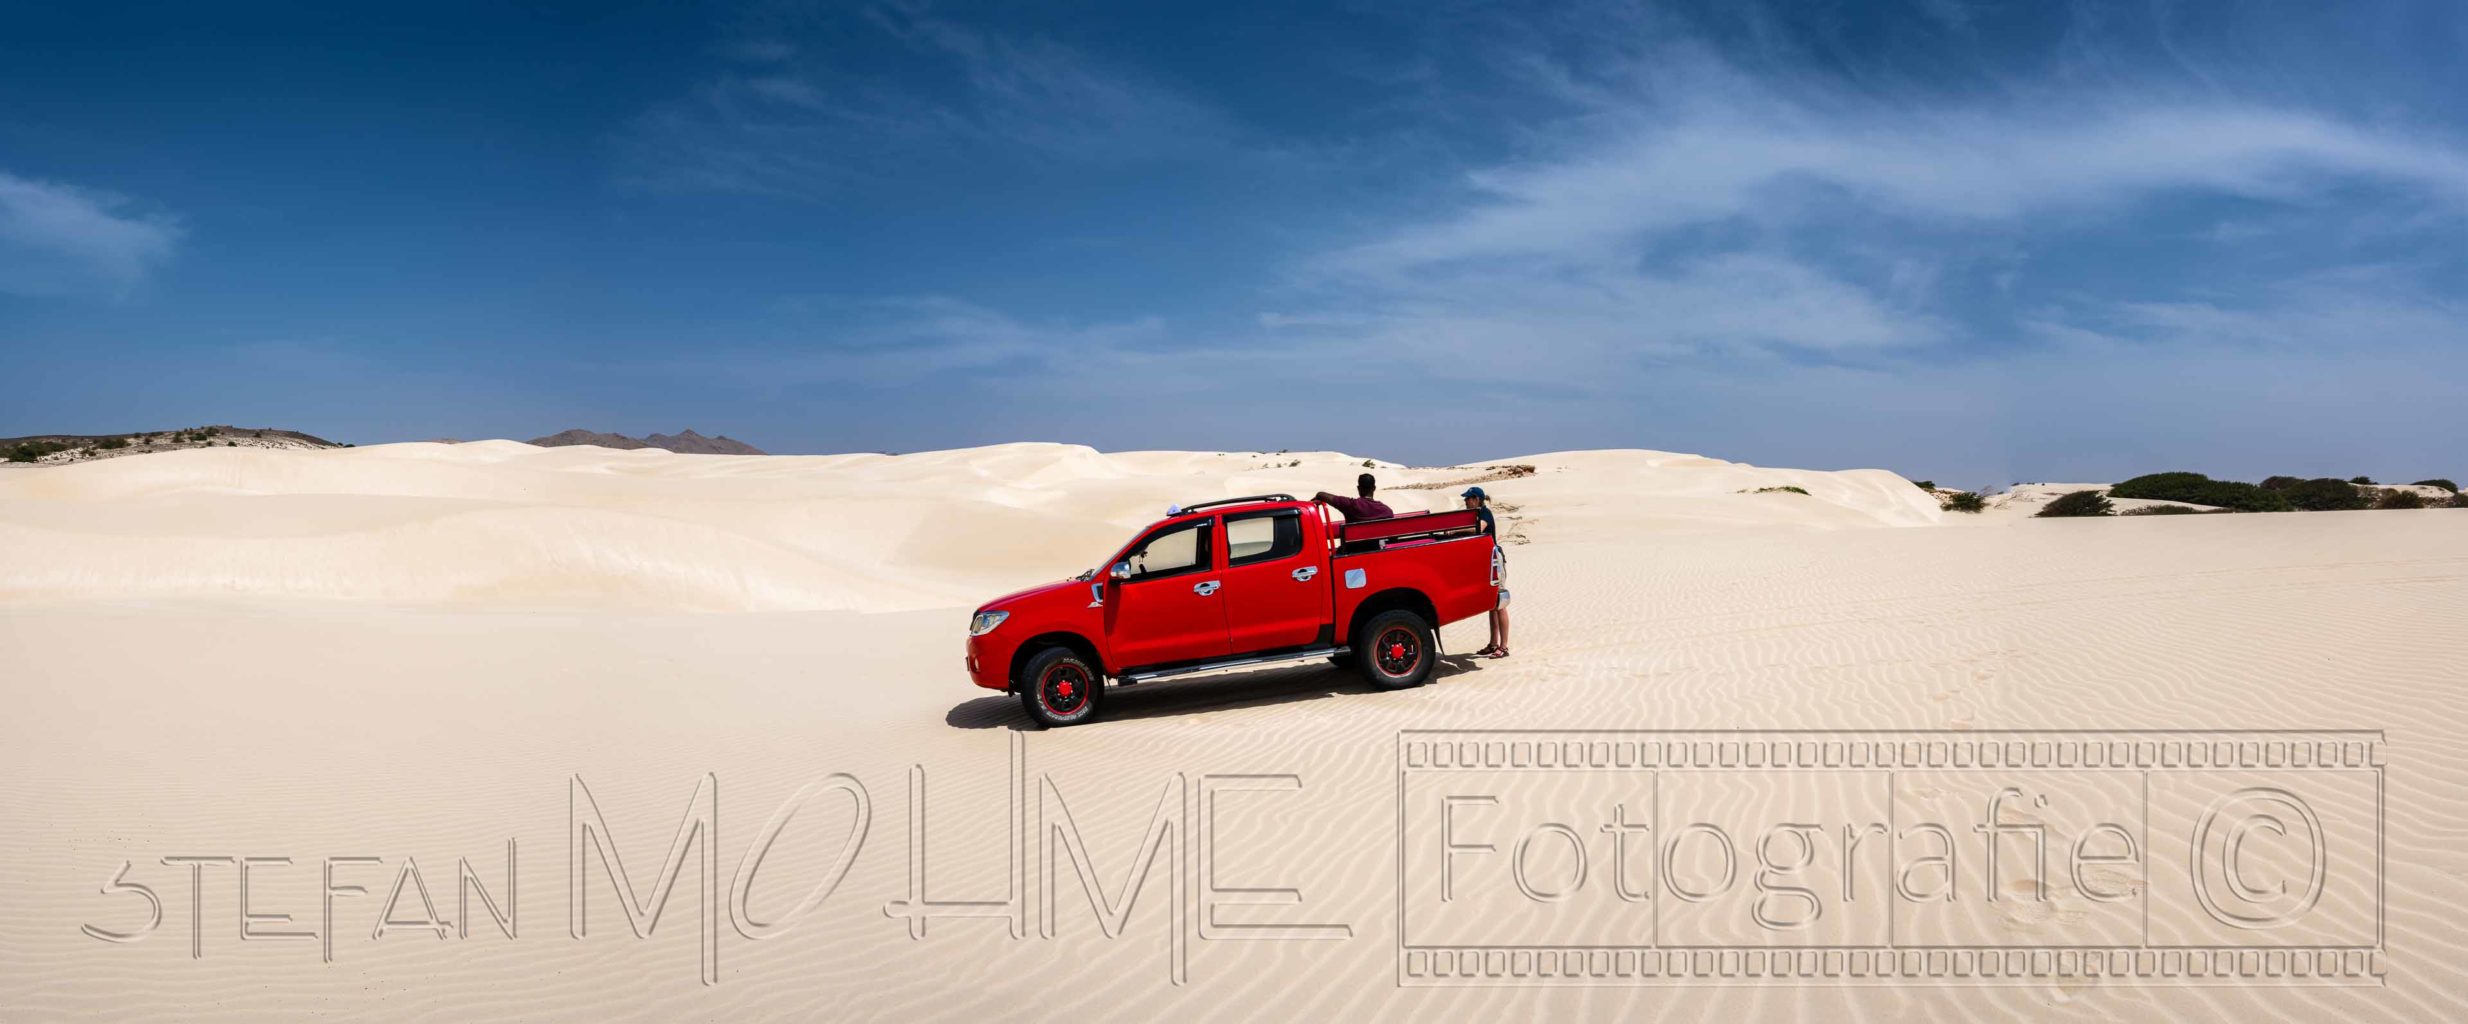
412	653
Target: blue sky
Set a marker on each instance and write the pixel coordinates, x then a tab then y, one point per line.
1979	242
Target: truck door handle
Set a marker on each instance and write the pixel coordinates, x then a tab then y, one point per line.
1306	572
1204	589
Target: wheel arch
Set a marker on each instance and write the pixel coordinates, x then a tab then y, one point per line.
1392	599
1028	648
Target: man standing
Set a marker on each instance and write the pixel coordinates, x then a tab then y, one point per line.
1360	509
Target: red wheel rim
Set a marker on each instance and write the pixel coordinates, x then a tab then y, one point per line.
1398	651
1064	689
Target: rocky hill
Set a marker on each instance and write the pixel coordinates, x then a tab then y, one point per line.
684	442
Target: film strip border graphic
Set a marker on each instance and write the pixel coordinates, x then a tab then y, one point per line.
1563	750
1518	965
1560	750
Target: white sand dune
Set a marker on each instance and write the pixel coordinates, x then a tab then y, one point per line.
507	523
410	652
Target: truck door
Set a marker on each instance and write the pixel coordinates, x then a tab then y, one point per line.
1171	608
1275	595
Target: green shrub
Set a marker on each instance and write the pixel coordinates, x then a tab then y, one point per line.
32	451
2161	481
2281	483
2438	482
2458	500
2197	489
2078	503
2400	499
1925	485
112	443
2365	480
1784	489
1964	501
2162	510
2324	495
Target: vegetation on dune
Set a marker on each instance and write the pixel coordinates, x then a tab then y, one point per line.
2365	480
1964	501
2438	482
2400	499
1925	485
2077	503
2162	510
59	448
34	450
2324	494
1786	488
2197	489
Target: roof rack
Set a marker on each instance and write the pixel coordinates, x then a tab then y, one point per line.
1237	501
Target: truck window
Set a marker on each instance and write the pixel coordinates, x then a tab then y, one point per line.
1263	536
1179	549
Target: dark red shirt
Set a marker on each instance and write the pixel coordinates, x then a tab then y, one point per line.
1359	510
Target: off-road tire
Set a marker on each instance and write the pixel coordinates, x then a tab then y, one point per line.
1395	650
1059	687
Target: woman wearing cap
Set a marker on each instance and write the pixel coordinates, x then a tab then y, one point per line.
1481	504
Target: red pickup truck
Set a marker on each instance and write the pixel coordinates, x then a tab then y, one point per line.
1233	584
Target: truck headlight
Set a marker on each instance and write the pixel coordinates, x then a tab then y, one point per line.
983	623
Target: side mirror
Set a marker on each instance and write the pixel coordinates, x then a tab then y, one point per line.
1122	571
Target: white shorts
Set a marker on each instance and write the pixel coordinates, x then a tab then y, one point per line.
1503	598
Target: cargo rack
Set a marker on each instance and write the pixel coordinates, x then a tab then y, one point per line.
1408	525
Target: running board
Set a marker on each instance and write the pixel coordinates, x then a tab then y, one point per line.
1252	661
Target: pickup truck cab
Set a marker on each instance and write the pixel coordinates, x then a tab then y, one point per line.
1238	583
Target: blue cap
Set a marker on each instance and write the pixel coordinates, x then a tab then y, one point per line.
1475	492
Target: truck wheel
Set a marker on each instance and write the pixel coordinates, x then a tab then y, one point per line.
1396	652
1058	687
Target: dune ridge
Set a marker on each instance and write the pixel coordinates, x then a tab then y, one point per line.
501	522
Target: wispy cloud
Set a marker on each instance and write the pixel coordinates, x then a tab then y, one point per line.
1686	207
2348	310
894	341
62	239
1715	160
777	124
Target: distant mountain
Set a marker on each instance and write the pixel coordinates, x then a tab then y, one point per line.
690	443
684	442
581	436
